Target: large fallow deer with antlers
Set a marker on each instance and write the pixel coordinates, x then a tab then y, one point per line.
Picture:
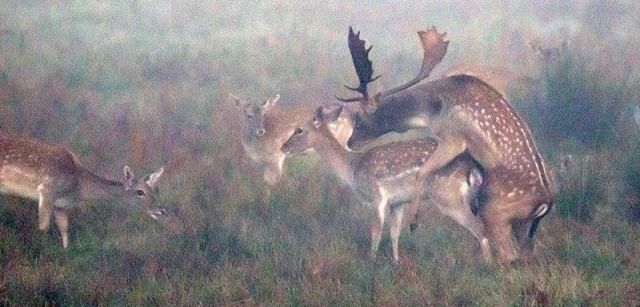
55	178
270	124
382	176
467	116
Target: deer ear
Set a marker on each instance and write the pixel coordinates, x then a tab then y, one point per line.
242	105
128	176
318	117
239	102
270	103
332	115
152	179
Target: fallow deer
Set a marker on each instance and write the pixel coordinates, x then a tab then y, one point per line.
53	176
383	175
467	116
269	125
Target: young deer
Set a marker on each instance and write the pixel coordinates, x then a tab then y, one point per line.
53	176
269	125
382	176
467	116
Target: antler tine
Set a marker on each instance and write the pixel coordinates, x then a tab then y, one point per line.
362	64
435	48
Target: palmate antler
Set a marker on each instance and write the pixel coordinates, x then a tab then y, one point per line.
362	64
433	45
435	48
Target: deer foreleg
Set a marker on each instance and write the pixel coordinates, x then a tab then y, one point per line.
395	228
44	210
377	222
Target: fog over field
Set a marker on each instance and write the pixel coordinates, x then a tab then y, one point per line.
146	83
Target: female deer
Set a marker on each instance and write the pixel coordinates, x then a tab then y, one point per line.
383	176
53	176
269	125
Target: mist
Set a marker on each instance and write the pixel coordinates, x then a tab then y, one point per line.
146	84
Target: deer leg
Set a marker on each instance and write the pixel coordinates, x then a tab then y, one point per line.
62	221
500	233
475	225
521	229
395	228
414	215
446	152
377	224
44	210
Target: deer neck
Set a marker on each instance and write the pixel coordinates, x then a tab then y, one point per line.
93	187
338	158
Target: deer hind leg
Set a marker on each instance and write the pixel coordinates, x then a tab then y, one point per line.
524	231
446	152
475	225
44	209
500	232
62	221
395	228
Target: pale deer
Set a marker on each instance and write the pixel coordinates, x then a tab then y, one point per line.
269	125
54	177
382	177
467	116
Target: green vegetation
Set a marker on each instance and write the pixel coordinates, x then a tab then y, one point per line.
145	83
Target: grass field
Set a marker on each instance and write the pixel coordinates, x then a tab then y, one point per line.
145	83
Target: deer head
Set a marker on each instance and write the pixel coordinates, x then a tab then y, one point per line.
255	115
433	45
305	136
141	192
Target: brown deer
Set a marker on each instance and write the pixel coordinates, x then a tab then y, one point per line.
269	125
53	176
383	176
467	116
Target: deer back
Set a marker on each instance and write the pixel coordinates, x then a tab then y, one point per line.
464	107
25	164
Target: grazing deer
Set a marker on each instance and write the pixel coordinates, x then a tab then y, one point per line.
467	116
382	176
53	176
269	125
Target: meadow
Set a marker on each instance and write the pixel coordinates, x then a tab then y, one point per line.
146	83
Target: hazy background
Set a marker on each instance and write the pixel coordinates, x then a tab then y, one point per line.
145	83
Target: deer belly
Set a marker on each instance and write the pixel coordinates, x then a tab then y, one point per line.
19	189
18	184
399	188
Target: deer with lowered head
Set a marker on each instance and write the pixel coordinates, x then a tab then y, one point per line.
467	117
54	177
270	124
382	176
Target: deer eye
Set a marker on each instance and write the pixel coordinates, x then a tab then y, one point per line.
298	131
140	192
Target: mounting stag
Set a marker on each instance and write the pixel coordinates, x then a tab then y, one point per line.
55	178
466	116
383	175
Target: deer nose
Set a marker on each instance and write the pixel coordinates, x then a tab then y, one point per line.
260	132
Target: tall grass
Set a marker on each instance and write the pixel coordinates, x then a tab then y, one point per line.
145	83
